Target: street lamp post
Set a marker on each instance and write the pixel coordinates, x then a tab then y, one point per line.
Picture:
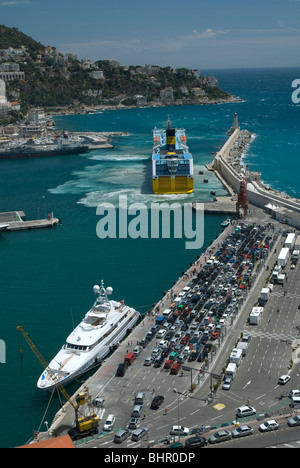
178	418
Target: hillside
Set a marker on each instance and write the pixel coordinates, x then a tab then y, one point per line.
55	80
12	37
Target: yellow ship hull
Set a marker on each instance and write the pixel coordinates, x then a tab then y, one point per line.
173	185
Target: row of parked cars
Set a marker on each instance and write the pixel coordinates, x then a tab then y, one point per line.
223	435
195	320
133	430
187	330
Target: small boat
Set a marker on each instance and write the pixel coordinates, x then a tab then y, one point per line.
3	227
226	223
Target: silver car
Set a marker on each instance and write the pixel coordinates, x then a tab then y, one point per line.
295	421
227	384
219	436
242	431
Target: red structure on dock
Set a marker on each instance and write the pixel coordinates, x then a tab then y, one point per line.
243	202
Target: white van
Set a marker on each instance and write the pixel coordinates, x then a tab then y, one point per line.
295	403
167	313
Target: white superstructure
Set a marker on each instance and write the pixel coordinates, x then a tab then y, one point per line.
102	328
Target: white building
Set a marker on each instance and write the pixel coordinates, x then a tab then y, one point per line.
4	104
35	124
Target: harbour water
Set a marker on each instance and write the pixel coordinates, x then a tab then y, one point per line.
47	276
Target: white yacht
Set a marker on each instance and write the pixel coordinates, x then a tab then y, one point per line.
102	328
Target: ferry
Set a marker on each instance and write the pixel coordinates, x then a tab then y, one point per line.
101	330
172	163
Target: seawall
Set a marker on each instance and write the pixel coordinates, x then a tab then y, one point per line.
228	168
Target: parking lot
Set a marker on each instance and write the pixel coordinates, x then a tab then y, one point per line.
193	332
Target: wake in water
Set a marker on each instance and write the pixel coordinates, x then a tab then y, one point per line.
127	170
132	177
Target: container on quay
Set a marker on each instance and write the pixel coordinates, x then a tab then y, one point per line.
231	371
297	243
283	257
236	356
255	315
290	241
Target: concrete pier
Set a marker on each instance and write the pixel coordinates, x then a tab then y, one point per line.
14	221
228	167
221	205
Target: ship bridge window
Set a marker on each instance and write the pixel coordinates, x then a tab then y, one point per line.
162	168
183	167
76	347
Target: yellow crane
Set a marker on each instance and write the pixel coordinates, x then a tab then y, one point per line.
86	425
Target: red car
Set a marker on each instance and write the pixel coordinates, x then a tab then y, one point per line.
168	364
176	368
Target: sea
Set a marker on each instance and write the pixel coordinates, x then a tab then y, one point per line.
47	276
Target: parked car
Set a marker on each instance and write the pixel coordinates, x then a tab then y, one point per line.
158	361
294	393
244	411
163	344
295	421
242	431
122	435
227	384
110	421
196	442
220	436
133	423
156	352
175	368
270	425
148	361
157	401
168	364
173	355
138	434
179	430
137	349
284	379
161	333
98	402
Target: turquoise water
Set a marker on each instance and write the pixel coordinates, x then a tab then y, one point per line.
47	276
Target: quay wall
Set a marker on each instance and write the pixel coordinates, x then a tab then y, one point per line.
257	194
99	383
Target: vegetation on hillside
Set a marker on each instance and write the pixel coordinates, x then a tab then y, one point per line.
12	37
53	80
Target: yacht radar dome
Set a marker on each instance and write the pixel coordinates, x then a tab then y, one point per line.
109	291
96	289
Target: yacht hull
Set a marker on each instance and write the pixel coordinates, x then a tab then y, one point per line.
93	359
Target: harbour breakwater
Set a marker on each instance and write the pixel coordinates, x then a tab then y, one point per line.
229	168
